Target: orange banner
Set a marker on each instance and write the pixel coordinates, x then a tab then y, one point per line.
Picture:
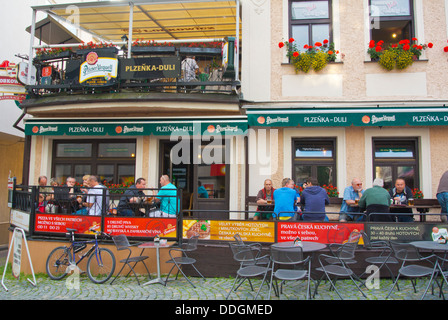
141	227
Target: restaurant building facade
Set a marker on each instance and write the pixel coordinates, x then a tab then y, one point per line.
351	119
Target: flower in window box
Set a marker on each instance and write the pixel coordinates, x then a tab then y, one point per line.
397	55
332	191
315	57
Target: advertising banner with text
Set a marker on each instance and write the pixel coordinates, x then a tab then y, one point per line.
141	227
59	223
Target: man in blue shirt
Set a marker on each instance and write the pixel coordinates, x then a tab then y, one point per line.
167	197
285	198
351	193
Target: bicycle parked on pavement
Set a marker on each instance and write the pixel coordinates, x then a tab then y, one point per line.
100	263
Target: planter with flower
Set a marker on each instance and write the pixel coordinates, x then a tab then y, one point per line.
118	188
417	194
397	55
202	48
102	48
313	57
142	47
53	53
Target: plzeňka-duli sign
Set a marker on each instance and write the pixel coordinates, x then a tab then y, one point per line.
150	68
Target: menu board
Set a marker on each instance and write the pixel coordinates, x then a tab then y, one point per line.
59	223
405	232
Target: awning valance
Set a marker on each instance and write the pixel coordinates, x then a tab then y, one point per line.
343	117
137	127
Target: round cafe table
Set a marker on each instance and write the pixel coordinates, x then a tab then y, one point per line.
430	245
307	246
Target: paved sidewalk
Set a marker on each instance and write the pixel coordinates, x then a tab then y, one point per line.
210	289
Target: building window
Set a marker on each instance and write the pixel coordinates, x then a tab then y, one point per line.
113	162
391	21
314	158
310	22
393	159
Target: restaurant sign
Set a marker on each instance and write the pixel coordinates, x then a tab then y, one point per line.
150	68
138	128
347	117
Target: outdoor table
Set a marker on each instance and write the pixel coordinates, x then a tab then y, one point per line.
430	245
307	246
146	205
157	246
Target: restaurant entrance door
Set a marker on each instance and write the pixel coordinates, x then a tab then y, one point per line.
200	170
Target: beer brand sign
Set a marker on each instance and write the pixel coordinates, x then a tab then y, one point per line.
98	71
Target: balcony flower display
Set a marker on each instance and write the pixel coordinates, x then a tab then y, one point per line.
311	56
51	52
397	55
95	45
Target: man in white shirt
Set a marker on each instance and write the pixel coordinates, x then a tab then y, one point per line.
94	201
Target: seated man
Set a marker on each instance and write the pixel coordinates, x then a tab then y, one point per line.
95	201
133	194
313	199
400	194
167	198
202	192
189	68
351	193
285	198
376	200
265	201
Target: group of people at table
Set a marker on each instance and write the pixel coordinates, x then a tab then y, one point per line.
394	205
88	199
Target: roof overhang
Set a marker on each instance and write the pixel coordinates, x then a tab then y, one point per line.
51	31
152	20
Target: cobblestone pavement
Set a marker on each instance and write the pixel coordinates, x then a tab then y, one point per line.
210	289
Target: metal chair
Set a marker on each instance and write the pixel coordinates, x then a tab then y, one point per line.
255	245
292	256
122	243
383	259
408	253
249	259
184	259
329	266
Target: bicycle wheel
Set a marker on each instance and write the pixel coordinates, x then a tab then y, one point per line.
57	262
101	265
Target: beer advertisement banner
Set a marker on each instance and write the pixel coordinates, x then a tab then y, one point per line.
59	223
150	68
141	227
316	232
225	230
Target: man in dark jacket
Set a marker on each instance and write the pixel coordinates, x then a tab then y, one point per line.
133	194
314	198
400	194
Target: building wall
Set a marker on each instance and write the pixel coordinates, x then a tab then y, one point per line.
11	147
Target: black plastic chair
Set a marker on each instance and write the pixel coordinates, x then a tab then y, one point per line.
183	259
122	243
406	253
291	256
256	246
336	265
383	259
249	259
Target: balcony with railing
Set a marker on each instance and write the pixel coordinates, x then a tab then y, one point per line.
140	47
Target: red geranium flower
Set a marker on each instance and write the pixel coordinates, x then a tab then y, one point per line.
295	54
430	45
445	49
406	47
414	39
281	44
291	40
378	48
325	41
318	44
372	44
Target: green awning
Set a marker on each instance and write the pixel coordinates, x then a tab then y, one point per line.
137	127
343	117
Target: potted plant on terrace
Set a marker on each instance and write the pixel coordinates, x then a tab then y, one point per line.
314	56
202	48
140	47
52	53
397	55
99	47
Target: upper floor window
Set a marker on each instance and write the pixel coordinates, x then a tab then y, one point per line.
391	21
310	21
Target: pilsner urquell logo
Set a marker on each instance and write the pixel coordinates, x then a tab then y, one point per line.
261	120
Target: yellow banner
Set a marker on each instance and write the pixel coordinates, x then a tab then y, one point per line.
225	230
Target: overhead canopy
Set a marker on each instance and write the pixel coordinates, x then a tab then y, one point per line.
137	127
50	31
343	117
152	20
